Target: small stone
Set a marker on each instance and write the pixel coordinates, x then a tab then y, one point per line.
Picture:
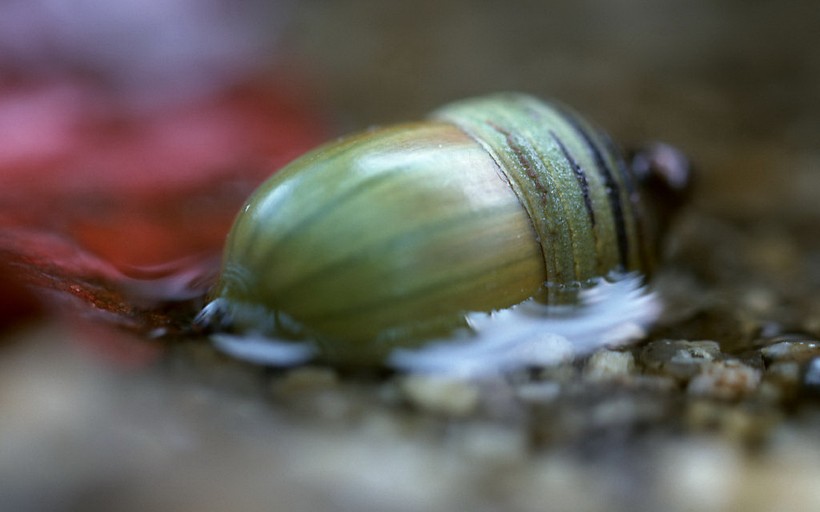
679	358
771	392
791	349
726	380
655	383
443	395
811	377
736	423
784	371
780	382
696	353
605	365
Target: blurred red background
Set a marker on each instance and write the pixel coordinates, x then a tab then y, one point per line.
130	134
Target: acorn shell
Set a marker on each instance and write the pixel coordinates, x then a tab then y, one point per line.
392	235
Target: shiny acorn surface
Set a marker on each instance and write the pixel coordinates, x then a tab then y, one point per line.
391	236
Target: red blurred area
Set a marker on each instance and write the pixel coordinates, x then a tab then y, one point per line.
117	210
143	189
130	134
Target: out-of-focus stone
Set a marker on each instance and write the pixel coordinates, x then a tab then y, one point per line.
606	365
784	371
791	348
680	359
736	423
728	380
442	395
810	383
780	382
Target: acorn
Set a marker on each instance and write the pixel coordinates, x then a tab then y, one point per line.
389	237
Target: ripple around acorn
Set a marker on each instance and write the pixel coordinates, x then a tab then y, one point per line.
612	312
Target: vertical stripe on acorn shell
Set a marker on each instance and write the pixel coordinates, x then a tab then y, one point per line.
572	182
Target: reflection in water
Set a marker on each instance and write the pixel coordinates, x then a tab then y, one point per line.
263	350
612	312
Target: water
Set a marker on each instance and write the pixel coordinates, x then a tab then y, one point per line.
612	312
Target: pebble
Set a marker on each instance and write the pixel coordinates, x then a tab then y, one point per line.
680	359
811	377
442	395
787	372
792	349
727	380
772	392
780	382
607	365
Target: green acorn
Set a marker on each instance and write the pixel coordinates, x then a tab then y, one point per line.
390	236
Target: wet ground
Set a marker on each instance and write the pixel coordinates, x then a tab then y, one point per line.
718	408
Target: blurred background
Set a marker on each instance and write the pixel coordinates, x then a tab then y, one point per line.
132	130
733	83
